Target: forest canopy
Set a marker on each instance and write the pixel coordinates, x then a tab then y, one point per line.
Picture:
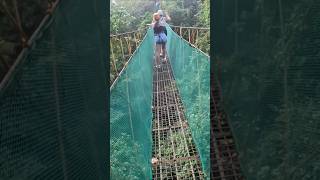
131	15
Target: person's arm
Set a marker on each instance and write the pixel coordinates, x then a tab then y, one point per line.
168	18
152	24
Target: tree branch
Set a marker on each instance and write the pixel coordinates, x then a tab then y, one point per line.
19	24
16	20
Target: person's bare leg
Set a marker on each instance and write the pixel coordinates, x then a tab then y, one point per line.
164	51
161	52
158	49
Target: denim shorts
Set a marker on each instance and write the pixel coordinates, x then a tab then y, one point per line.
160	38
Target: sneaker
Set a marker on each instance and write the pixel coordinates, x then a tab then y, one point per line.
164	60
161	55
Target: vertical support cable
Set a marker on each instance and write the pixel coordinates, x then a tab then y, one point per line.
262	24
135	40
129	106
113	59
236	27
197	35
129	45
183	58
124	59
199	82
59	124
285	93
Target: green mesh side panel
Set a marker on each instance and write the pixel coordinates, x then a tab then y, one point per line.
192	73
274	105
131	116
53	109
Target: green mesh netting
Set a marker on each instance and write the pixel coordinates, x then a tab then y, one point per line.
131	99
191	70
272	97
53	108
131	116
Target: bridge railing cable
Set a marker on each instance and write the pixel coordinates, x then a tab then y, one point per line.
198	37
14	49
122	46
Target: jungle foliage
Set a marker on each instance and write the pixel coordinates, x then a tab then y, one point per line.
128	16
132	15
135	14
18	20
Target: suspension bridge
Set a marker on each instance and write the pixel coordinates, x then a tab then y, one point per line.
162	113
179	100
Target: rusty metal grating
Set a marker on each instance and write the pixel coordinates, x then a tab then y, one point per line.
173	148
225	164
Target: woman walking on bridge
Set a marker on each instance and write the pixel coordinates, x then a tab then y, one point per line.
164	17
160	36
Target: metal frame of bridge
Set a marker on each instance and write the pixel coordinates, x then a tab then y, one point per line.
171	133
225	164
173	146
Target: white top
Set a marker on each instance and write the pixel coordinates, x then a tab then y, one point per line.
162	21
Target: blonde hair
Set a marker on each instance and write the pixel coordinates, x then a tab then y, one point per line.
156	17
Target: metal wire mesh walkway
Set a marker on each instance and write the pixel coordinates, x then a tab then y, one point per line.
173	147
225	164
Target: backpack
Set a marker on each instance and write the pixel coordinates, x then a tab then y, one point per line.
165	29
158	29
